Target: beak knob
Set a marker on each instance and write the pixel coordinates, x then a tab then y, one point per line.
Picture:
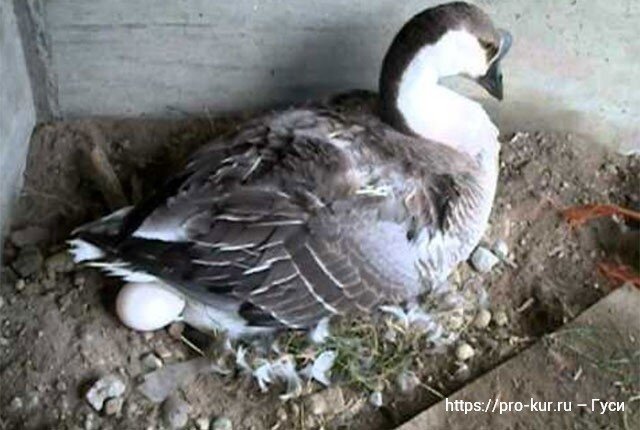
492	80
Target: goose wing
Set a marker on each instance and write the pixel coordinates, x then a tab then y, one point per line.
285	221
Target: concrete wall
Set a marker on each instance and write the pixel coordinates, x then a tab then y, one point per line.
17	111
573	64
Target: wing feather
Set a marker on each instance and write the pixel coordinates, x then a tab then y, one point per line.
292	225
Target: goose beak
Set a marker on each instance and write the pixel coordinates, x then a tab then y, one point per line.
492	80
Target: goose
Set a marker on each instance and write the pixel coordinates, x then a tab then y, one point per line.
320	210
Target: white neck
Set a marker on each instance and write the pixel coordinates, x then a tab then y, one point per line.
438	113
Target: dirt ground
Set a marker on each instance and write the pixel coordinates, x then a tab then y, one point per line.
59	334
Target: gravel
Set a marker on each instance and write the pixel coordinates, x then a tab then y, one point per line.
375	399
151	362
501	249
59	263
107	387
482	319
28	262
203	423
483	260
113	406
501	319
464	352
175	412
222	423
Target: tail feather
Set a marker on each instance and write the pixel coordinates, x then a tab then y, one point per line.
89	241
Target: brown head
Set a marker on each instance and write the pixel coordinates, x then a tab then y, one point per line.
450	39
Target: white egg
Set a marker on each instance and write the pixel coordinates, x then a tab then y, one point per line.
147	306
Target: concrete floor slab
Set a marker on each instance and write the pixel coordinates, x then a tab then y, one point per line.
562	382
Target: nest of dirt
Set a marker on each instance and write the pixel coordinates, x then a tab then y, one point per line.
58	332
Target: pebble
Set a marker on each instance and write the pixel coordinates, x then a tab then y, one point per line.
1	302
175	412
282	415
501	318
151	362
89	421
462	373
163	351
455	321
376	399
222	423
29	236
16	404
175	330
105	388
28	262
407	381
464	351
330	401
501	249
203	423
59	263
482	319
113	406
20	285
483	260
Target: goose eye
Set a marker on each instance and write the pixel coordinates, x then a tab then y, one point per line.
490	48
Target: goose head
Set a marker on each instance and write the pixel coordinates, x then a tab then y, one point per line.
453	39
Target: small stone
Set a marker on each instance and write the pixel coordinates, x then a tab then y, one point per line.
501	319
376	399
33	401
16	404
483	260
455	321
151	362
464	351
61	385
1	302
222	423
500	248
407	381
482	319
28	262
175	412
113	406
29	236
203	423
20	285
462	373
282	415
59	263
163	352
330	401
89	421
103	389
175	330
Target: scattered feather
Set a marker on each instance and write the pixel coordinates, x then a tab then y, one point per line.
241	360
320	333
321	368
283	369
